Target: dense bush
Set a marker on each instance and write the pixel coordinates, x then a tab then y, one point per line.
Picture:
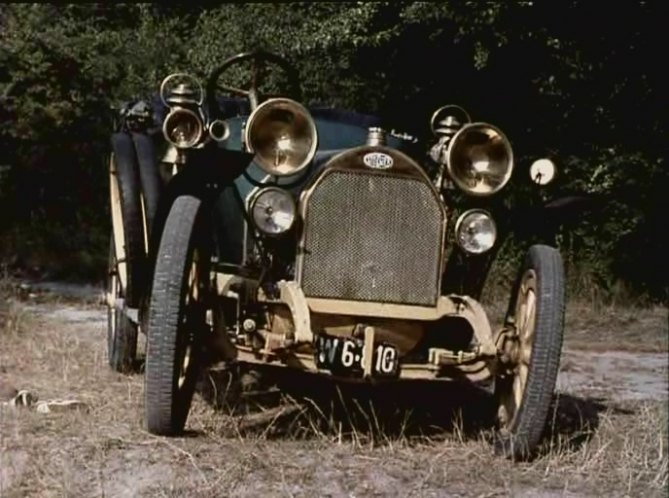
560	78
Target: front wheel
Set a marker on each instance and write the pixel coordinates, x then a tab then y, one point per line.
177	318
532	345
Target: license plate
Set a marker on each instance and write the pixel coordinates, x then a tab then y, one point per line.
345	356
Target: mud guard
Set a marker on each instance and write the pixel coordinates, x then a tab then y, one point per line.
545	221
206	174
147	160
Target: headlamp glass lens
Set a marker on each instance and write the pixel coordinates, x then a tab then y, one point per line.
273	211
476	231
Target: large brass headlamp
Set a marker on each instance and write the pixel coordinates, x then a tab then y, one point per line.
480	159
283	136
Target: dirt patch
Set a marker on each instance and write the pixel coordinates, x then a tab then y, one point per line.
615	375
428	442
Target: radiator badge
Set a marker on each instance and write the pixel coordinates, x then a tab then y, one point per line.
378	160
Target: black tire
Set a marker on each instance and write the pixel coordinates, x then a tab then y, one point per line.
538	318
177	318
121	331
152	187
149	176
124	170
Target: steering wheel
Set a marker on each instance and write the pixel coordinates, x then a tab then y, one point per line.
258	59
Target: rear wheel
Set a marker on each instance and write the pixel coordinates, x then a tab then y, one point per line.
524	387
177	318
127	216
126	256
121	331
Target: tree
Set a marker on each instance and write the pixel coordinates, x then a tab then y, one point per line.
564	79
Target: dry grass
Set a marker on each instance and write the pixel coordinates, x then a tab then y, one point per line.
318	439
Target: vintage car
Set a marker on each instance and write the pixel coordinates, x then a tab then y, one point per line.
251	229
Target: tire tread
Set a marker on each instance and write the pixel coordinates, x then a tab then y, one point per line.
530	423
164	415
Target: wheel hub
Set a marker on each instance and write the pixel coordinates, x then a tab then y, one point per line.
509	348
516	346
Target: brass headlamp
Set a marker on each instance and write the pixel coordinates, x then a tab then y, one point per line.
480	159
283	136
183	126
477	156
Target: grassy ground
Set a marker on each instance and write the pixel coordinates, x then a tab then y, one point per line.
412	440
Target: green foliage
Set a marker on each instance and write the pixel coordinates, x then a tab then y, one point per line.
65	73
64	67
560	79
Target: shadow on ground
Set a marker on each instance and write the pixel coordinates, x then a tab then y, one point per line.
300	405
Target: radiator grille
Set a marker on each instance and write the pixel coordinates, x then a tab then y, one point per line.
372	237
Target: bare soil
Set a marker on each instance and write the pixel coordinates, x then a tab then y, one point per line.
312	437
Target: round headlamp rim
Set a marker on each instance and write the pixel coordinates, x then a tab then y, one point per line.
183	110
312	127
507	145
461	219
254	199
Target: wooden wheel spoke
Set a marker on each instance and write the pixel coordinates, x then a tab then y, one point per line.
528	319
508	403
525	354
192	294
184	363
520	318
